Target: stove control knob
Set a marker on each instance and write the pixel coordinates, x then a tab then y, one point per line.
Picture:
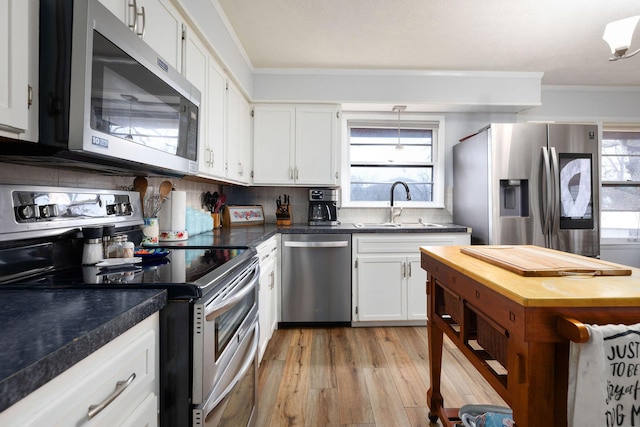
27	211
125	209
48	211
112	209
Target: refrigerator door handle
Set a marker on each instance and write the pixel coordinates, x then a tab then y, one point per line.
545	193
554	222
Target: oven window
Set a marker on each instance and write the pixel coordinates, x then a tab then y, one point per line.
228	323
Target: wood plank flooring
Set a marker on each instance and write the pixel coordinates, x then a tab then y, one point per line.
366	377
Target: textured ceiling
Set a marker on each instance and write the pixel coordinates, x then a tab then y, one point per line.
562	38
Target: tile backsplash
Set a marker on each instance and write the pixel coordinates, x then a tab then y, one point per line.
236	195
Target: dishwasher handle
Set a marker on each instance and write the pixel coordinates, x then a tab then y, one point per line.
332	244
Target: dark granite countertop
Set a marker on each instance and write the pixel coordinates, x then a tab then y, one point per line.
256	234
45	332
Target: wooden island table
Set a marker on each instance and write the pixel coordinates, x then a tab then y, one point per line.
513	319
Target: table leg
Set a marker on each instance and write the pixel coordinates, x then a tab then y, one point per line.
434	397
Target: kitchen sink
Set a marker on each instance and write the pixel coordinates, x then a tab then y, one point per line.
377	225
397	225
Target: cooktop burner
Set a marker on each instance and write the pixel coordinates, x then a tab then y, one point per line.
182	272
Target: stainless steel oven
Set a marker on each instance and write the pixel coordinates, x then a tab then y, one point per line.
220	324
233	400
209	327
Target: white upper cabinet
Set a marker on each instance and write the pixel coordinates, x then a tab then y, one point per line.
273	144
295	145
14	66
118	8
157	22
238	150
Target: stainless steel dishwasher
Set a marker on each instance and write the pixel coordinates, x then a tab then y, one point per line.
316	278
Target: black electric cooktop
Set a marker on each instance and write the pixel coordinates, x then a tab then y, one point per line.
183	272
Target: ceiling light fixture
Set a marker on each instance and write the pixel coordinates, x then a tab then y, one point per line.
618	35
399	109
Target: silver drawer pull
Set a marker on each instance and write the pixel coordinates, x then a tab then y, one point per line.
120	387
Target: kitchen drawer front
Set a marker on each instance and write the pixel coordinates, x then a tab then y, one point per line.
403	242
267	249
66	399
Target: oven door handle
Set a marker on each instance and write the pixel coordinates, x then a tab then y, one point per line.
214	310
241	372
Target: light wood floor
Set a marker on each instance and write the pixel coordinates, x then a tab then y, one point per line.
359	377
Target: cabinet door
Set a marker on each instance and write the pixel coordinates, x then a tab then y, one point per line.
238	136
273	141
245	163
119	8
195	70
14	65
161	27
381	289
316	145
265	308
214	138
416	289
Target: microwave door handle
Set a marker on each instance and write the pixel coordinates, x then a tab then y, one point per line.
215	310
241	372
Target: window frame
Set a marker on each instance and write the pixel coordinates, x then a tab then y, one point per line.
616	184
434	122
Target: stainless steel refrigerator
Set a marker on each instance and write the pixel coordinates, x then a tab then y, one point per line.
534	184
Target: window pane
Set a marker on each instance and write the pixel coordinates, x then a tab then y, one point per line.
621	156
372	154
370	183
620	225
377	145
620	198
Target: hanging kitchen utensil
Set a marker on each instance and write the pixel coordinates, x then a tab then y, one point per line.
165	189
140	185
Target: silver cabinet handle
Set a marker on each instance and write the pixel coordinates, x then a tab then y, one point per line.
133	5
296	173
120	387
144	22
336	244
409	268
290	173
404	269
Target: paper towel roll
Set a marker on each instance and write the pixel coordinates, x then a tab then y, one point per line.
172	217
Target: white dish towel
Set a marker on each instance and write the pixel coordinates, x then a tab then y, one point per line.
604	378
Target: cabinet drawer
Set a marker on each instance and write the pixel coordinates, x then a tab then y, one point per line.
267	249
66	400
394	243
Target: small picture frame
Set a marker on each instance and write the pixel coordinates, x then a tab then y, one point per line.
233	216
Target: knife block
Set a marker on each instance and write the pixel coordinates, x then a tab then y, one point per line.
283	215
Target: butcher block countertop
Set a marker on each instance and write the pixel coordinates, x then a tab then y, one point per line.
620	287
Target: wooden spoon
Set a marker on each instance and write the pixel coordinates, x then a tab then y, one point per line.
140	185
165	189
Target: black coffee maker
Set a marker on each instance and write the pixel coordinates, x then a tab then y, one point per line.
323	208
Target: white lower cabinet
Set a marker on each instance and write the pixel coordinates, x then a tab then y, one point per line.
389	286
268	294
116	385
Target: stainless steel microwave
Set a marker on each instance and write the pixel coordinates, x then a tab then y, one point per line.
106	97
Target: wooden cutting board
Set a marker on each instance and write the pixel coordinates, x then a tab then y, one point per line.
531	261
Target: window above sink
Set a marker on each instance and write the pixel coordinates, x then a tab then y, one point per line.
372	160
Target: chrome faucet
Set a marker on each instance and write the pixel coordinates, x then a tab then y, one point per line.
392	214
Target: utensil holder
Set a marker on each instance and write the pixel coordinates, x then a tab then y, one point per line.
283	215
150	231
